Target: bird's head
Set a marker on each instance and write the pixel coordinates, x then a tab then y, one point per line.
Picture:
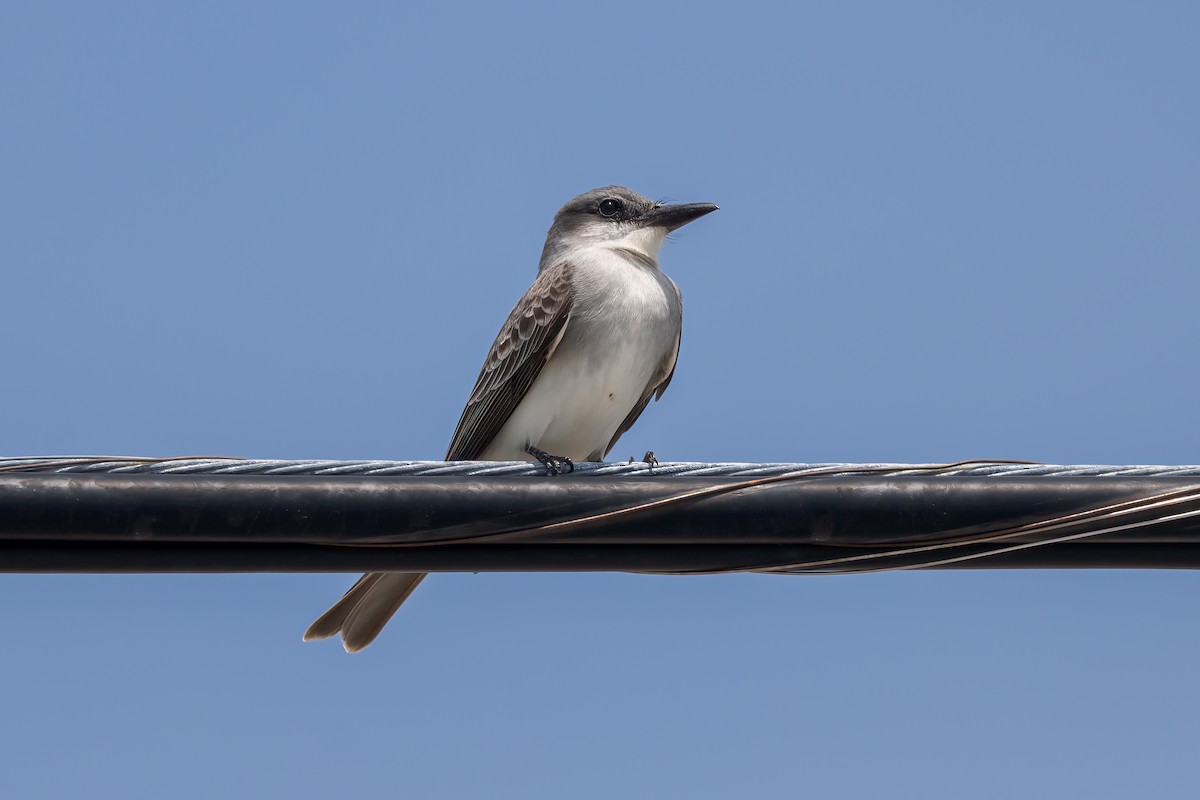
616	217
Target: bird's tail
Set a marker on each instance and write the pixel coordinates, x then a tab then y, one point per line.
363	611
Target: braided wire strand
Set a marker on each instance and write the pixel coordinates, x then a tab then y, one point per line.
216	465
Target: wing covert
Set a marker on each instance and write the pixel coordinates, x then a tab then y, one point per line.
525	342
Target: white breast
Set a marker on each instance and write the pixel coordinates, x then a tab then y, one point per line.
623	324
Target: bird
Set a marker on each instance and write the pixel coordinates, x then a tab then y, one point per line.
575	364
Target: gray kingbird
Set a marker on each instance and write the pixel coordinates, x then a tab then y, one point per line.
575	364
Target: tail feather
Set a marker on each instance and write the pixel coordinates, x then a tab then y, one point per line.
363	610
332	620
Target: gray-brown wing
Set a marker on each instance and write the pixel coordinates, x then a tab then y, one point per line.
658	385
524	344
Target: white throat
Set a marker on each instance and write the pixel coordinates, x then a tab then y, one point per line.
642	243
638	245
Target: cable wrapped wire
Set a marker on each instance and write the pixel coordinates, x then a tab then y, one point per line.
119	514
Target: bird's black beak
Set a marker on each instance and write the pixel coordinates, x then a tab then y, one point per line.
676	216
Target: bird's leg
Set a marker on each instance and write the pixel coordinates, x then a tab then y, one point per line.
553	464
649	459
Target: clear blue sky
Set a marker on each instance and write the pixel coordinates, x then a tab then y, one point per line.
281	231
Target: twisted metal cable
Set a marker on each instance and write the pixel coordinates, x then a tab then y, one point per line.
223	465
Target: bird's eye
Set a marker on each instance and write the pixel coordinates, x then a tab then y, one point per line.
609	207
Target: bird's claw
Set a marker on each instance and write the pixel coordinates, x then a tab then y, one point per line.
553	464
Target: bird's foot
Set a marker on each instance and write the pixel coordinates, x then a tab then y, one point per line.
649	459
554	464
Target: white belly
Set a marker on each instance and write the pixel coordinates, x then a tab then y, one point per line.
598	373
